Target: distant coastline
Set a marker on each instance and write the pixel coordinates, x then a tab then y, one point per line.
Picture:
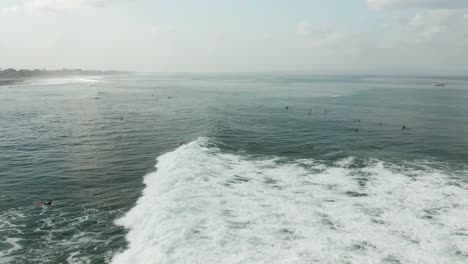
11	76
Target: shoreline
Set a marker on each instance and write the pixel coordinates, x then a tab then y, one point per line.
6	82
11	76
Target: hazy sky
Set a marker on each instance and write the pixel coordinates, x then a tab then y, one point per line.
303	36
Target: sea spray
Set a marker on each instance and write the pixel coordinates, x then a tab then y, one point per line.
206	206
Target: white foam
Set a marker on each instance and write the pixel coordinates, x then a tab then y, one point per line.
75	259
13	246
58	81
52	228
206	206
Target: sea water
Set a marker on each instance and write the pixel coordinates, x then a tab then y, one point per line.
332	178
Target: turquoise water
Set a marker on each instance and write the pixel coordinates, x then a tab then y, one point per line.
332	179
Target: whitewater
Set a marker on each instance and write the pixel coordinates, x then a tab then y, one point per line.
205	205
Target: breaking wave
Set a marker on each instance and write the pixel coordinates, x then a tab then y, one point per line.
61	81
203	205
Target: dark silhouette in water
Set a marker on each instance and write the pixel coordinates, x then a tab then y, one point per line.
42	204
287	107
403	127
380	123
121	117
356	130
183	143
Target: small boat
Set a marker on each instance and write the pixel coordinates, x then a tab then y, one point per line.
438	84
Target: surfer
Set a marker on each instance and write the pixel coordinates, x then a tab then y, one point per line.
287	107
183	143
42	204
403	127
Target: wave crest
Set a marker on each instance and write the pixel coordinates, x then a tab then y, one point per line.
206	206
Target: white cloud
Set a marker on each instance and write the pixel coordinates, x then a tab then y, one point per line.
440	4
440	23
435	22
304	28
45	7
319	35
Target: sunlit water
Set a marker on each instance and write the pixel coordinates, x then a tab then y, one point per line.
332	179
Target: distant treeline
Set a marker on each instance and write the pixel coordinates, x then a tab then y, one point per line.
24	74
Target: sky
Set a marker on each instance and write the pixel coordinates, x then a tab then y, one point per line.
258	36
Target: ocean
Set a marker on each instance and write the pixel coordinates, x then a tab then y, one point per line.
234	168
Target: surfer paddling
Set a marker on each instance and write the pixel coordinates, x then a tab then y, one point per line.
42	204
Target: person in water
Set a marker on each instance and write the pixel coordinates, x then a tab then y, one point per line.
183	143
403	127
42	204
